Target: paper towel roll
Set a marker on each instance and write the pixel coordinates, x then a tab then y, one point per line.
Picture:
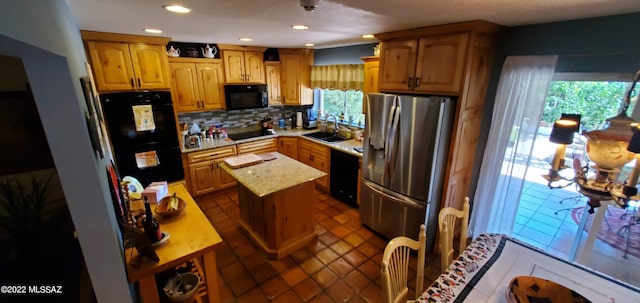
299	120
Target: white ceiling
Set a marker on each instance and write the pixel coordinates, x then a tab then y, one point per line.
333	23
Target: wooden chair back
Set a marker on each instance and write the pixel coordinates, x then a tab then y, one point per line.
395	267
446	223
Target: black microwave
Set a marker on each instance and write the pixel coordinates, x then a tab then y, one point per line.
243	96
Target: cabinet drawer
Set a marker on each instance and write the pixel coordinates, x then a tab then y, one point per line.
314	148
260	146
211	154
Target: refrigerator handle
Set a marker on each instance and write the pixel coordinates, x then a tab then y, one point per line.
392	147
387	140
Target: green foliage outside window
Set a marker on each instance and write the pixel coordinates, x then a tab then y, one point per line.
595	101
348	103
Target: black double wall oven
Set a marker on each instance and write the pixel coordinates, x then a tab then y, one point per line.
142	129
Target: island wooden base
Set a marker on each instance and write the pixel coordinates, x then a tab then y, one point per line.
279	223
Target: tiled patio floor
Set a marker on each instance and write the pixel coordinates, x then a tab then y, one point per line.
537	224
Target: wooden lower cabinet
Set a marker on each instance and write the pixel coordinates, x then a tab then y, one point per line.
278	223
316	156
288	147
205	173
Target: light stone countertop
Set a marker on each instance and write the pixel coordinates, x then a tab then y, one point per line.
272	176
344	146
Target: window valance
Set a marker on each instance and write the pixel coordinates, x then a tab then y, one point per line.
341	76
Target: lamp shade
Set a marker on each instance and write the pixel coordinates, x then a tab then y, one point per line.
572	117
634	143
562	131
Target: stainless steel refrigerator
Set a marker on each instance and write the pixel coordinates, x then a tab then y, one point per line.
406	140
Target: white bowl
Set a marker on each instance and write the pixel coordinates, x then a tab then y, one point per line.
177	292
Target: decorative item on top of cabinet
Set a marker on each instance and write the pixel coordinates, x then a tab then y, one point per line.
258	147
288	146
295	76
127	62
205	174
243	64
272	69
454	59
370	85
193	50
316	156
197	84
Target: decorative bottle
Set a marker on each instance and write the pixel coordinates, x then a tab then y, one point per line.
151	225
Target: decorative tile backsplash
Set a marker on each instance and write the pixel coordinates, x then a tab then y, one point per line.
236	121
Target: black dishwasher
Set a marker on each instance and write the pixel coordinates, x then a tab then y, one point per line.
344	177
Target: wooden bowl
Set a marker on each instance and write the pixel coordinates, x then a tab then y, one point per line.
528	289
161	208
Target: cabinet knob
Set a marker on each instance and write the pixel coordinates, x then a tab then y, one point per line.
417	82
242	77
132	85
409	82
139	85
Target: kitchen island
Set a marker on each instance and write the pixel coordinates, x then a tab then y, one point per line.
276	200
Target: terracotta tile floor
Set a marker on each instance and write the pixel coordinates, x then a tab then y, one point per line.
341	265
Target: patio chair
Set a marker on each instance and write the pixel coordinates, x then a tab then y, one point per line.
446	223
395	267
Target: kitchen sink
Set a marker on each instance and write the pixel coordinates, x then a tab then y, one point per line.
324	136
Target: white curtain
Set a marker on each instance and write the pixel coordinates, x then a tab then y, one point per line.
522	90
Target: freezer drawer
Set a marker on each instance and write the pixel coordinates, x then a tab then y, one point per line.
391	214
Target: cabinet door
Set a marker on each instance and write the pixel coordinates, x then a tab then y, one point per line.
440	63
233	66
370	85
289	64
203	179
185	86
223	179
150	66
288	147
397	66
112	68
254	67
316	156
273	83
211	85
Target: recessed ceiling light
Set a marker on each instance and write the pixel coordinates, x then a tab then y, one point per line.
368	36
246	39
152	31
299	26
309	44
177	9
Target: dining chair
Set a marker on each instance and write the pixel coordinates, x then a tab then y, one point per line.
395	267
446	223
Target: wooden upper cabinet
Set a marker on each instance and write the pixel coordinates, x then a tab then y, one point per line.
295	77
397	64
432	64
440	64
197	84
272	71
370	85
243	66
123	66
184	86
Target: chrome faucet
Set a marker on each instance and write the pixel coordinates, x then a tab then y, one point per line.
335	128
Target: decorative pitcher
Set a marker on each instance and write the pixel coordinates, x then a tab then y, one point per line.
209	52
172	52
